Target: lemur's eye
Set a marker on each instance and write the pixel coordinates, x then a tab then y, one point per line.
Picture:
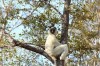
52	30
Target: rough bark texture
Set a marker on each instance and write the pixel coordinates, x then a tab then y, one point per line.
32	48
65	23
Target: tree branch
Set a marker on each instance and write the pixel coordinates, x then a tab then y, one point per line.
52	7
31	48
15	28
65	22
27	46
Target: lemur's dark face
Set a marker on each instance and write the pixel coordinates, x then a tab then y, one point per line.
53	30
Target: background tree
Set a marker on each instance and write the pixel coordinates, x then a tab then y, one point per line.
25	23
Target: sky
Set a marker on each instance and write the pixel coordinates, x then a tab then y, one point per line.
15	22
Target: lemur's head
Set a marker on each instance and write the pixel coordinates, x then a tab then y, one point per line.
53	30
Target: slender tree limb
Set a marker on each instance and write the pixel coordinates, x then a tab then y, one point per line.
27	46
31	48
15	28
55	9
45	1
1	34
2	31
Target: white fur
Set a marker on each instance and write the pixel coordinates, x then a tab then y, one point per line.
54	48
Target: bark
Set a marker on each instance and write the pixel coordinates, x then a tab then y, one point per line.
32	48
65	23
28	46
60	63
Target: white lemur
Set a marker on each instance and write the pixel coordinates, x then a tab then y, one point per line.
53	47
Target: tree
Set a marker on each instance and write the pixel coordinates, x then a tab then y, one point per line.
35	16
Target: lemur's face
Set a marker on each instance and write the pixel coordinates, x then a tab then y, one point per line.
53	30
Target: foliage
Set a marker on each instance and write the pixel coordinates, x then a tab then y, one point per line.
29	20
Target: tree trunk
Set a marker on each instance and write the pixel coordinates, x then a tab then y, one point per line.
65	23
64	33
58	62
64	36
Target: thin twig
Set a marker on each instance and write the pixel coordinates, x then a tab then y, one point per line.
55	9
15	28
52	7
